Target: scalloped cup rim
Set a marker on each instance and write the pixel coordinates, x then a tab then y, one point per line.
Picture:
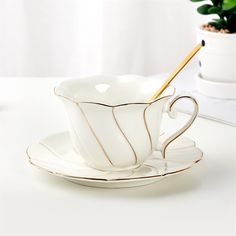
60	91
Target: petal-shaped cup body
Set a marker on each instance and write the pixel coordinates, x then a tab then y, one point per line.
111	136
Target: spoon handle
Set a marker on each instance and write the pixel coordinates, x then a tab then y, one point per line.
178	69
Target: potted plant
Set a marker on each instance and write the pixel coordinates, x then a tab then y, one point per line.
217	59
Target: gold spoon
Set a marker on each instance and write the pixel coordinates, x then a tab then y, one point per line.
178	69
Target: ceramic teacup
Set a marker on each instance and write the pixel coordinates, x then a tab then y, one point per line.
112	126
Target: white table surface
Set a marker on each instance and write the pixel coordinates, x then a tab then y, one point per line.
201	201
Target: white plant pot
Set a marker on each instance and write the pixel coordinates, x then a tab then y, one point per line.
217	60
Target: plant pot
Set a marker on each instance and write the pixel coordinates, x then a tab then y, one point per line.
217	61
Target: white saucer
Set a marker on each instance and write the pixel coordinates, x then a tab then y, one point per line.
56	155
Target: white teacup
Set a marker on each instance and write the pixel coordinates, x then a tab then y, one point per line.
112	126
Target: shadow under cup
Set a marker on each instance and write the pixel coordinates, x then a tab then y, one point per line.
112	126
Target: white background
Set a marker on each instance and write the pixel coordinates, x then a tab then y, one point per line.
84	37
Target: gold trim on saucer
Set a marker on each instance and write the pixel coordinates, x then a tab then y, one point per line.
116	179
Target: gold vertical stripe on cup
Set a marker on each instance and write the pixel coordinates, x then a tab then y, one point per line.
135	155
146	126
94	134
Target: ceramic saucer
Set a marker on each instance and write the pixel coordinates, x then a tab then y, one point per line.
56	155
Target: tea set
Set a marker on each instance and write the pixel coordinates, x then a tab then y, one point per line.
114	138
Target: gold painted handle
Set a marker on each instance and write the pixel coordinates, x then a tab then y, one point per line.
185	127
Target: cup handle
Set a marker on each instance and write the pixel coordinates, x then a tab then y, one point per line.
185	127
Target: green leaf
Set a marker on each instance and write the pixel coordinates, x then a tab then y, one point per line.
231	23
216	25
204	9
197	0
232	10
216	2
228	4
221	22
214	10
